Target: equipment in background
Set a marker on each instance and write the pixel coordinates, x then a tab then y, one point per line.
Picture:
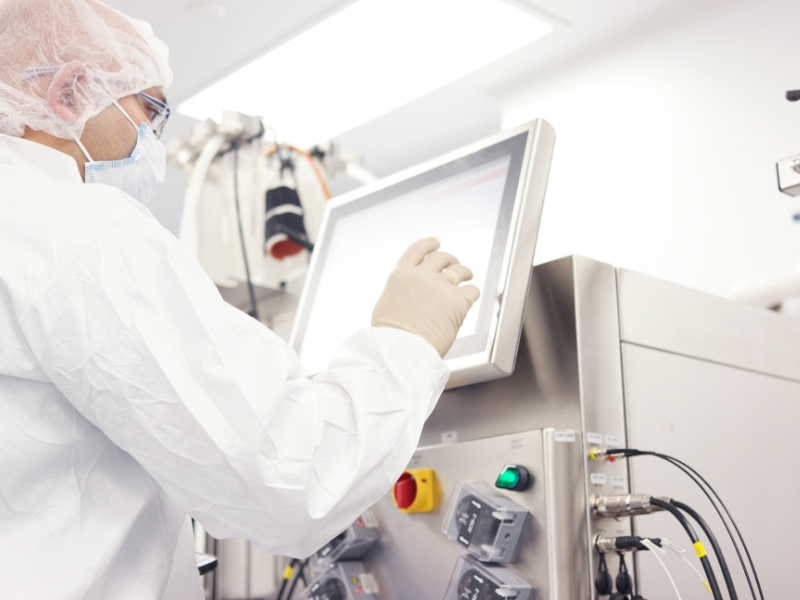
483	202
474	580
352	544
778	293
342	581
253	206
789	168
206	562
484	522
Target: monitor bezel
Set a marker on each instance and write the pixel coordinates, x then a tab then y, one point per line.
497	356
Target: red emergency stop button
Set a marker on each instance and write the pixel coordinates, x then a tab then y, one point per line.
415	491
405	490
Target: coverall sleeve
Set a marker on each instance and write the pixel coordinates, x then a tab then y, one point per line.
210	403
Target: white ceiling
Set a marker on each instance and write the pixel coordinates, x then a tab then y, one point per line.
206	47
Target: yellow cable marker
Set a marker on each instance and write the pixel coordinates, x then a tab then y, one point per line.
287	572
700	549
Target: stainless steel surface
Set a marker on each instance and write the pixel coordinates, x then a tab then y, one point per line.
567	544
669	317
737	428
514	292
414	560
497	360
568	375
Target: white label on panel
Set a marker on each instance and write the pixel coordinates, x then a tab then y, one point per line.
612	441
368	584
368	518
564	436
598	479
594	438
618	481
449	437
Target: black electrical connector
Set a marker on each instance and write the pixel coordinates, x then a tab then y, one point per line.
624	583
603	583
793	95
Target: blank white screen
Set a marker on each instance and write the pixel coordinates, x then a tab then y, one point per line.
462	211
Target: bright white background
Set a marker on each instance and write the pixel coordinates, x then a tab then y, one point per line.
666	148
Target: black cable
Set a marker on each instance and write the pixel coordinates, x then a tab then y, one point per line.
697	478
254	312
301	568
723	565
285	581
712	579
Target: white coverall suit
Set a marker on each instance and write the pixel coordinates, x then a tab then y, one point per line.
132	395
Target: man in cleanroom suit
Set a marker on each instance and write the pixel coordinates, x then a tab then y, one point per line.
131	395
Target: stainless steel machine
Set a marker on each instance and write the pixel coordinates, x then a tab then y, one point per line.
609	357
500	499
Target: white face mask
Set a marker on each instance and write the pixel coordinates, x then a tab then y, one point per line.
140	174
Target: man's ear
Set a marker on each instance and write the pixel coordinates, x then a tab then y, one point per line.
64	97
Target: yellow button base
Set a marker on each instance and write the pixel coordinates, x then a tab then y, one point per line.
425	500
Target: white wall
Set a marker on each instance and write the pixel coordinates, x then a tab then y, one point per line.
666	148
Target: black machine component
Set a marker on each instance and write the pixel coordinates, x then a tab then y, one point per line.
603	584
285	232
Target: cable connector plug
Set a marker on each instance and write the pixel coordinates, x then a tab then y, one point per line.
627	505
622	543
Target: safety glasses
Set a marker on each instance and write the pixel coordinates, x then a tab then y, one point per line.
159	113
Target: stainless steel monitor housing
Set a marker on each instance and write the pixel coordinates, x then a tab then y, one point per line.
491	352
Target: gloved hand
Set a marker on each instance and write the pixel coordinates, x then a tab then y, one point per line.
423	295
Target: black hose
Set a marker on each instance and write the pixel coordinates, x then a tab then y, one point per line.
697	478
285	581
723	565
300	574
254	312
712	579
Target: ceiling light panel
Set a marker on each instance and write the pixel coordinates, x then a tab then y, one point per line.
365	61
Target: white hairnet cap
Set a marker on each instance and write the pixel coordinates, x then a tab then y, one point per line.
63	61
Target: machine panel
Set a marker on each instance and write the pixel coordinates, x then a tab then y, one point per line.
415	560
734	426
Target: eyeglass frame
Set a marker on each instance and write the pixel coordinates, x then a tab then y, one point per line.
159	122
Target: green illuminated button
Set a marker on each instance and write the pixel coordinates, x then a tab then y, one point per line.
513	477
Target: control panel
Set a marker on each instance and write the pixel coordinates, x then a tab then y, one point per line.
498	515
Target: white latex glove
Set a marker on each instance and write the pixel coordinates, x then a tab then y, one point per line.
423	295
